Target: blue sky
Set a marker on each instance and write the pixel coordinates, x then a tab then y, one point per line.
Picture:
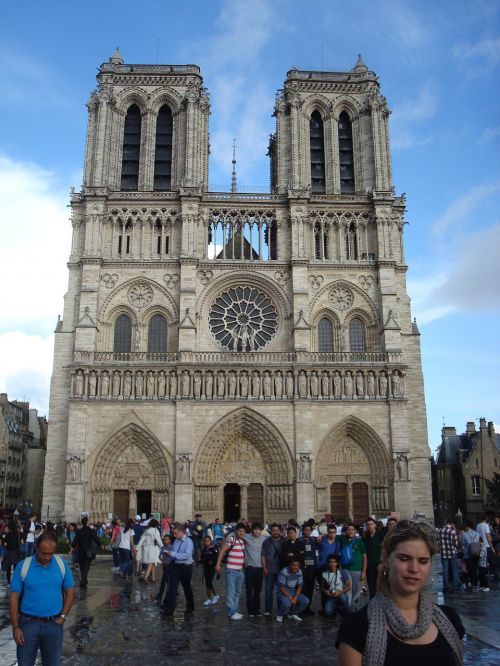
438	65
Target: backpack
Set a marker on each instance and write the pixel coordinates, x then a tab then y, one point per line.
346	553
27	563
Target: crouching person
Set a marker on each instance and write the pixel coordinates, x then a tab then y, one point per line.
335	585
291	601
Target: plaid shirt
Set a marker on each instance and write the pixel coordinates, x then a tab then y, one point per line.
447	541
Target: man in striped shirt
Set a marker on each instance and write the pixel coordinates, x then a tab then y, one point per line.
234	546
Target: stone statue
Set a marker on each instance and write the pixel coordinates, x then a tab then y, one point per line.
383	385
138	336
289	385
244	385
197	385
150	387
402	467
92	384
302	385
256	385
183	469
396	385
337	385
278	386
234	339
139	385
115	389
266	382
221	385
244	336
74	465
161	385
104	385
360	389
79	384
348	385
231	382
325	385
304	468
185	382
370	385
314	385
209	385
173	385
127	385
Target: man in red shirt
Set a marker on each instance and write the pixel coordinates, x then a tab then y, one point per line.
235	549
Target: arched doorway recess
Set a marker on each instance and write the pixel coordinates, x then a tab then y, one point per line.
246	449
353	472
130	475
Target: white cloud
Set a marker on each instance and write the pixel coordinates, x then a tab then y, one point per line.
408	117
460	210
25	367
36	236
485	53
490	134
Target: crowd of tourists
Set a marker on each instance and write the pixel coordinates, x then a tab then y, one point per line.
387	562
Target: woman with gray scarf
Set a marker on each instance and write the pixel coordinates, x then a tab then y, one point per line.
402	624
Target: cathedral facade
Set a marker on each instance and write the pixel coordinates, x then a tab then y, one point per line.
236	354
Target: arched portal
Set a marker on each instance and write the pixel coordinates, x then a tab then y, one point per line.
244	449
353	473
130	475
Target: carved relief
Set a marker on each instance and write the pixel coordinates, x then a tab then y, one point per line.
205	276
281	277
365	281
183	467
74	469
171	280
109	280
341	298
140	295
304	467
316	281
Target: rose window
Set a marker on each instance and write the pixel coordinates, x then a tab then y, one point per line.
243	319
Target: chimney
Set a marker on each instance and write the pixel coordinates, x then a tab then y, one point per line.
449	431
471	427
482	424
491	429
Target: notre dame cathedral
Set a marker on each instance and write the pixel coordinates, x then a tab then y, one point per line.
229	353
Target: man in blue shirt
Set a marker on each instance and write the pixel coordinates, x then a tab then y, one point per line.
181	571
291	601
38	615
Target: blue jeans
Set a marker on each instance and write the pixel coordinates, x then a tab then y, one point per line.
335	605
271	584
234	583
285	605
356	586
48	636
450	566
126	563
30	547
116	557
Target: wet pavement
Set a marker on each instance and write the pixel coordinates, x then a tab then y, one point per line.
120	623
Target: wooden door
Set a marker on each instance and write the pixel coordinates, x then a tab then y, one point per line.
339	501
360	503
120	504
255	503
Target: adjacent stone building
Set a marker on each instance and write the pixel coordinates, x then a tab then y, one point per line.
236	353
462	464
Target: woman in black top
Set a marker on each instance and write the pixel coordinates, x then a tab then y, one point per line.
401	624
11	542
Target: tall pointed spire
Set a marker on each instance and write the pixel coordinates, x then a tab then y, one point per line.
234	187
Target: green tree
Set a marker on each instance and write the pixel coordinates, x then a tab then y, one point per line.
493	487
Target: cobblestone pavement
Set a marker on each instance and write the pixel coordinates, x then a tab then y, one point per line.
120	623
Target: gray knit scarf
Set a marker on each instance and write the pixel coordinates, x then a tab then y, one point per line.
383	614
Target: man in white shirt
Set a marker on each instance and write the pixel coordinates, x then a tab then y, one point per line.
30	535
484	532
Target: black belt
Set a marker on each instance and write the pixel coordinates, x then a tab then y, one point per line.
33	618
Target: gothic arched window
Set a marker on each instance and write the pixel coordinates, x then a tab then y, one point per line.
351	242
357	337
346	154
317	143
123	334
320	242
157	334
131	149
325	335
163	150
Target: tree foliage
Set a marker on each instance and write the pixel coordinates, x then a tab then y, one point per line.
493	487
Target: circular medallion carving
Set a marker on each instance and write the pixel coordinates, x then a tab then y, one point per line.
341	298
243	319
140	295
